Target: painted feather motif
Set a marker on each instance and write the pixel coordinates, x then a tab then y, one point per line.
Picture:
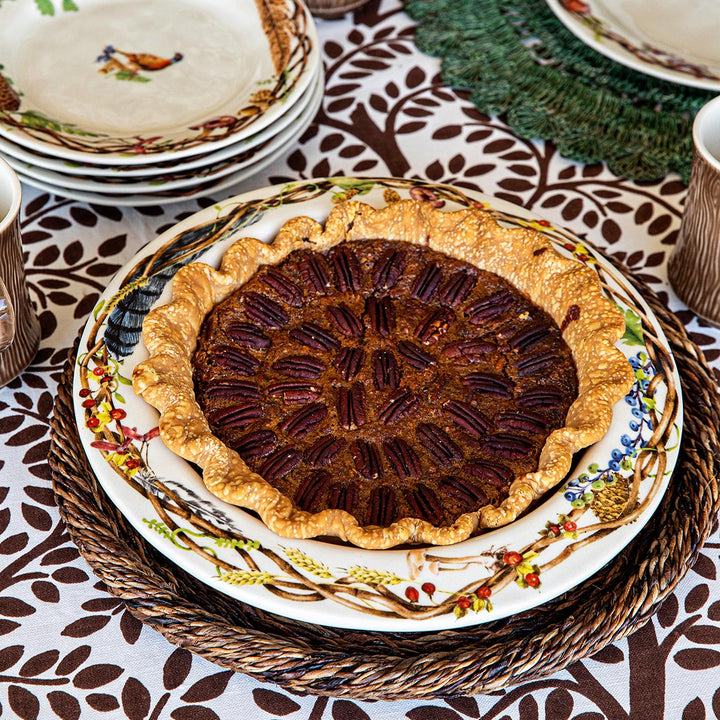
147	281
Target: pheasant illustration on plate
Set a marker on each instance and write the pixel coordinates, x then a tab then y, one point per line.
129	65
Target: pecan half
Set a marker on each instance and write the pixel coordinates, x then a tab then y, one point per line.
265	310
489	307
457	288
341	497
470	350
399	404
236	360
344	320
434	325
323	451
468	418
256	444
540	399
381	507
380	312
366	458
526	338
438	443
313	336
385	370
524	422
488	383
348	274
285	288
248	335
496	475
311	490
300	366
235	416
465	491
234	390
402	458
315	272
414	355
350	406
349	362
507	445
293	392
426	283
304	420
280	463
538	363
424	504
388	269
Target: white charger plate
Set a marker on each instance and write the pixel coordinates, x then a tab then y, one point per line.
175	181
134	82
327	583
669	39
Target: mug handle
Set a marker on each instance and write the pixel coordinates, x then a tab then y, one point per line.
7	318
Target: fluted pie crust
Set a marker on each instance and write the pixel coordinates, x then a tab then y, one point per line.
566	289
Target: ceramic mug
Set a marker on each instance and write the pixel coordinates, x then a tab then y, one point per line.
19	326
694	266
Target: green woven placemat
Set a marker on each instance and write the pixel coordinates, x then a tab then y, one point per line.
518	60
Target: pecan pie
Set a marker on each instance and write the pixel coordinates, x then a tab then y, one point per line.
401	375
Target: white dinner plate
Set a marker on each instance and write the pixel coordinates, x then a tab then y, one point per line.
135	82
178	180
563	541
199	163
669	39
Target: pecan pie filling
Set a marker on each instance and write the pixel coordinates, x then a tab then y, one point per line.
385	379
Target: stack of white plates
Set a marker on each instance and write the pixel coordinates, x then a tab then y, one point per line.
137	103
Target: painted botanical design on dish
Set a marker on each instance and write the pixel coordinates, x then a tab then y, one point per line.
129	66
465	581
644	52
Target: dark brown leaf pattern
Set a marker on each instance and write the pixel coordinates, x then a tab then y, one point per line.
385	113
23	703
207	688
65	706
135	699
176	668
273	702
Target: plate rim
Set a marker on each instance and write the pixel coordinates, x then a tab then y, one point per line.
287	135
614	51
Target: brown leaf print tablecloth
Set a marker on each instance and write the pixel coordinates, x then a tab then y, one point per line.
70	650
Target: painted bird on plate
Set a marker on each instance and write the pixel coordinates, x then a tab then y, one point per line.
134	62
147	61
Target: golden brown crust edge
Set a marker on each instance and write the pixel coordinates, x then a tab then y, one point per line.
522	256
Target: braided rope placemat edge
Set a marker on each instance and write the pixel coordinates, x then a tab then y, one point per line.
313	659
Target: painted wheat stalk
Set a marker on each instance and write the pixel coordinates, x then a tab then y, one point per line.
373	577
304	562
248	577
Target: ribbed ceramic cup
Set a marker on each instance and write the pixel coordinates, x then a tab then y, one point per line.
694	266
19	326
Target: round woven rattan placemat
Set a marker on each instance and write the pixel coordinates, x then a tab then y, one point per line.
391	666
518	60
